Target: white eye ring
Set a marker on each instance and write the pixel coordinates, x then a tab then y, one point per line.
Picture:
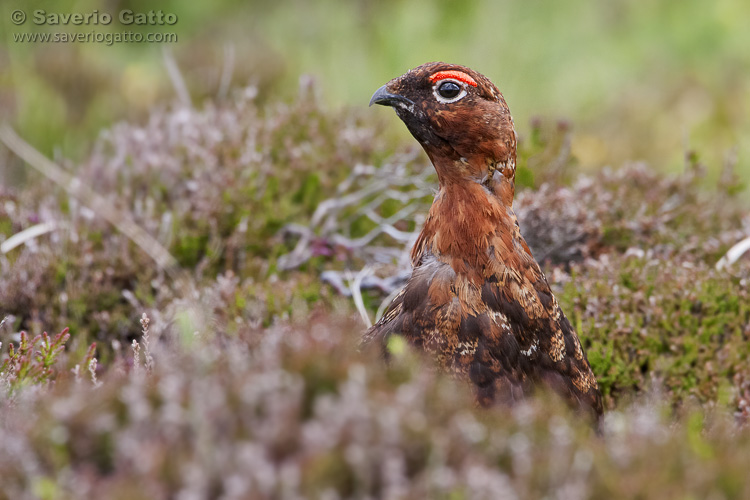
445	100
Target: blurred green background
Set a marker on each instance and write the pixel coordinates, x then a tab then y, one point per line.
637	80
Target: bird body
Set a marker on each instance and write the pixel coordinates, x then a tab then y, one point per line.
477	301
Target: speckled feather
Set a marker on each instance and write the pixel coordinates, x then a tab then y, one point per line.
477	301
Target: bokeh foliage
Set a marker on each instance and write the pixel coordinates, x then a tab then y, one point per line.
640	80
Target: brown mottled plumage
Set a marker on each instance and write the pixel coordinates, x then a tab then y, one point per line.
477	300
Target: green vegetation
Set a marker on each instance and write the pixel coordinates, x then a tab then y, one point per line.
641	81
239	376
249	376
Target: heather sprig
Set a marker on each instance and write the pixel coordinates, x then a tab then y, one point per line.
32	360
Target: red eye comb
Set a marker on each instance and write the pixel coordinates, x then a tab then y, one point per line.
455	75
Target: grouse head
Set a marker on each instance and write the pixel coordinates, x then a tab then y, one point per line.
459	117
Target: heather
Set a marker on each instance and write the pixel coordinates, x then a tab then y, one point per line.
237	374
183	294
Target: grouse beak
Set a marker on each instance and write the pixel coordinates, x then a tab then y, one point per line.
385	98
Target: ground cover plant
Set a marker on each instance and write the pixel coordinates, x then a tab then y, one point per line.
236	374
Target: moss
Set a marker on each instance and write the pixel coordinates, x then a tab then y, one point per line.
6	228
190	249
309	193
675	333
617	237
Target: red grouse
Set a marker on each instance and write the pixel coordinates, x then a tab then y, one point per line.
477	300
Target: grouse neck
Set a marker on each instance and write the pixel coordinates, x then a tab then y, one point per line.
498	177
463	220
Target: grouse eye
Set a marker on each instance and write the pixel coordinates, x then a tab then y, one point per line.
449	90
